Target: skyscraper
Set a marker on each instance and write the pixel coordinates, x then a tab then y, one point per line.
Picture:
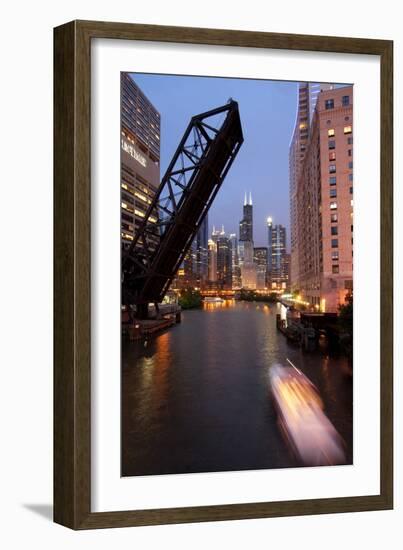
202	252
307	97
140	157
246	224
196	260
277	247
245	246
260	259
212	260
324	200
224	260
236	270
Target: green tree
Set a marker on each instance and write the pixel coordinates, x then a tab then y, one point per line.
190	298
345	322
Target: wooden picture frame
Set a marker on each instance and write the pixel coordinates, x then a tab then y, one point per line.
72	270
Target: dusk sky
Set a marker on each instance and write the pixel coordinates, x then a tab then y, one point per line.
267	110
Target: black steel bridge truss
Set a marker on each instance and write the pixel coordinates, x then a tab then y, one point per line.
193	178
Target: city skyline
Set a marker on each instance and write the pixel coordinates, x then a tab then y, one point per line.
211	326
262	165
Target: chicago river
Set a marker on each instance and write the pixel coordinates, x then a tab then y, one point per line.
196	397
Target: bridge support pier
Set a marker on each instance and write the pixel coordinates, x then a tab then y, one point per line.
142	311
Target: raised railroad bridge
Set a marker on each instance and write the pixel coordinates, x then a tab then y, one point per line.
192	180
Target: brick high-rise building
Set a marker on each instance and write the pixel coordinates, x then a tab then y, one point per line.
323	204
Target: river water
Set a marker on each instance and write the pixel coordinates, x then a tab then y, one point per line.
196	398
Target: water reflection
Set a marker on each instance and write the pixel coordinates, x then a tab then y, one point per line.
217	303
197	397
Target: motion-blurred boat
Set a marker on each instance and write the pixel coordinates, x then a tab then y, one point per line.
308	431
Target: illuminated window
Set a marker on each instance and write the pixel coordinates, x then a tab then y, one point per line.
333	205
332	155
347	129
330	132
333	217
335	255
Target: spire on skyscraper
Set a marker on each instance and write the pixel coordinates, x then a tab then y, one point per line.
244	202
250	198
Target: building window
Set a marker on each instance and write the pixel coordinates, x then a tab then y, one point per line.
335	243
335	268
332	180
332	168
350	164
347	129
334	230
333	193
350	140
333	217
330	132
345	100
335	255
349	152
333	206
351	190
329	103
332	155
350	177
332	144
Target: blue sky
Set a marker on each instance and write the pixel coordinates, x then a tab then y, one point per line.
267	110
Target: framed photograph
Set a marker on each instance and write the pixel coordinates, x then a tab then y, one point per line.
222	275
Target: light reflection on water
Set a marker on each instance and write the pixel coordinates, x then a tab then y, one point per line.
195	398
